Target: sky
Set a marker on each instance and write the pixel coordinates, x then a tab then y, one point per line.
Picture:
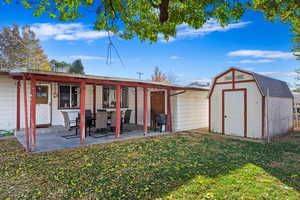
253	44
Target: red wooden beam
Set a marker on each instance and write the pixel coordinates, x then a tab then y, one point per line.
233	79
145	111
82	112
135	106
26	113
169	110
33	113
18	106
94	100
118	110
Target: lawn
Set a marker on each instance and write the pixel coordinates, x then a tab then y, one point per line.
174	167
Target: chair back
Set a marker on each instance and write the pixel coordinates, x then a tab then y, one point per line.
127	116
161	118
66	119
101	120
113	119
88	113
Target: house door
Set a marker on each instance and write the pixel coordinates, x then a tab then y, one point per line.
43	105
234	109
157	105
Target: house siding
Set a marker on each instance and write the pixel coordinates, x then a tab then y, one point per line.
190	110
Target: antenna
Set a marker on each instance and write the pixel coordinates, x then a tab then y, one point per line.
140	75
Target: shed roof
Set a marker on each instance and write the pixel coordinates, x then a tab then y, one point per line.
277	88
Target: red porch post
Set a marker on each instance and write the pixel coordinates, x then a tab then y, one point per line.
135	106
82	112
118	110
18	106
145	110
94	100
33	113
169	110
26	113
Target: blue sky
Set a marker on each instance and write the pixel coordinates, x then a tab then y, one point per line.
195	55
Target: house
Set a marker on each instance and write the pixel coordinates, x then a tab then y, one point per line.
32	99
248	104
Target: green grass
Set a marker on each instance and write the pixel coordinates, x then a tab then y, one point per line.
179	167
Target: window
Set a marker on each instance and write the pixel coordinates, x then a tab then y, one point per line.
68	97
109	97
42	94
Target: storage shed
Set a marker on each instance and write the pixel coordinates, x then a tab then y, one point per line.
247	104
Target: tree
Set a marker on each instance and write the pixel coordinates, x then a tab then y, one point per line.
77	67
159	76
58	66
296	39
149	19
19	49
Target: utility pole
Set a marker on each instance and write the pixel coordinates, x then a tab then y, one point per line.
140	75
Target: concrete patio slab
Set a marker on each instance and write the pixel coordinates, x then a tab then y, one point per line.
48	140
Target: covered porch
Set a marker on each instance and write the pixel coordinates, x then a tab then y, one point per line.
34	140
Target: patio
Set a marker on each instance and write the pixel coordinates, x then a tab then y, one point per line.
50	139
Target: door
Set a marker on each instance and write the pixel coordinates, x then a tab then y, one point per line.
157	105
234	112
43	105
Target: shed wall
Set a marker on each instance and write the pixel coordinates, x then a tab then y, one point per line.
280	115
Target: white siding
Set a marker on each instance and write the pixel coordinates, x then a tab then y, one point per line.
190	110
216	107
7	103
280	116
254	109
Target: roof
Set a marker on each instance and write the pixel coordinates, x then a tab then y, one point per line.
267	86
275	87
117	79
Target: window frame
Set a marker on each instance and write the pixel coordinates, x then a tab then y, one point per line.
121	96
70	101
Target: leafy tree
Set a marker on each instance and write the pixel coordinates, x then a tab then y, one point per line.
19	48
77	67
149	19
60	66
296	39
159	76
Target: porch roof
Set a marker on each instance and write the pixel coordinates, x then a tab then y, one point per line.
93	79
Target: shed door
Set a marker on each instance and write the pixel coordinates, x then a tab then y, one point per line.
234	113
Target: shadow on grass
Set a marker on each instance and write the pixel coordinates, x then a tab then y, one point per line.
148	168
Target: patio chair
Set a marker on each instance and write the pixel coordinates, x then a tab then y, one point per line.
101	120
89	121
127	116
67	121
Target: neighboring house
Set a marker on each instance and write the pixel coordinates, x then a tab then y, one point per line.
49	93
248	104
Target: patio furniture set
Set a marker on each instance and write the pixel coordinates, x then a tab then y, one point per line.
103	123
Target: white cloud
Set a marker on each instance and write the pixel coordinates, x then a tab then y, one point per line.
184	31
175	57
72	31
261	54
84	57
278	73
250	61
